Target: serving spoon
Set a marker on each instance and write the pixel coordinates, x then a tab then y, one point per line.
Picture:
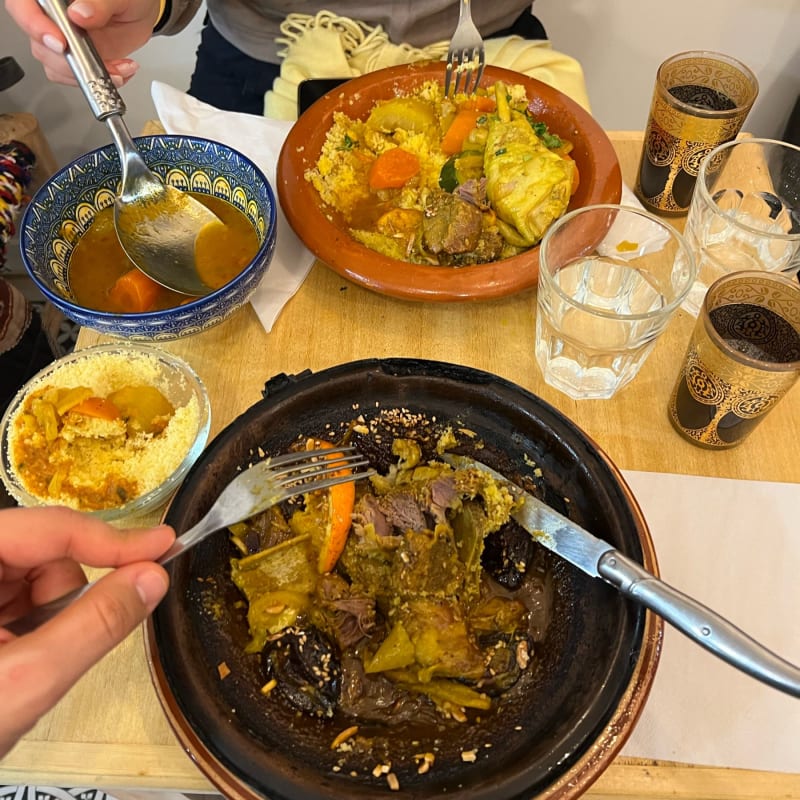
157	224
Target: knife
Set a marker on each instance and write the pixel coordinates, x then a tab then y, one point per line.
599	559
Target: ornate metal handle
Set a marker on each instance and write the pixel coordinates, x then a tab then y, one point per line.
700	623
86	64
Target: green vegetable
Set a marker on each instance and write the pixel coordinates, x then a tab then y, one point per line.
460	168
550	140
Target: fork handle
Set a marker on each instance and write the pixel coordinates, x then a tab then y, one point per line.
86	64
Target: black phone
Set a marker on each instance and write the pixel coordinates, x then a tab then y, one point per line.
309	91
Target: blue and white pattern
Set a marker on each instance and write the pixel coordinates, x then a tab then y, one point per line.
65	206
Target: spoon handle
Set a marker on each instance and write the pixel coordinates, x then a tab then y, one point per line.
86	64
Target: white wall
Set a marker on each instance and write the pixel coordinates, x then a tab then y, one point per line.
619	42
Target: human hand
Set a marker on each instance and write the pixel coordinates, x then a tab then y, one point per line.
41	550
117	28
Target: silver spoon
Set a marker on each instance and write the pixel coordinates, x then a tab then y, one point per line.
157	224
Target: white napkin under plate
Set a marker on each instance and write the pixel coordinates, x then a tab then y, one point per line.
260	139
734	546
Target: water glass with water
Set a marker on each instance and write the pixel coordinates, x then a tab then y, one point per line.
610	278
745	212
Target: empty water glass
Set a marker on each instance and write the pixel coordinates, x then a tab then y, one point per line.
745	212
610	278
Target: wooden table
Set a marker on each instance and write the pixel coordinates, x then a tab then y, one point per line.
110	730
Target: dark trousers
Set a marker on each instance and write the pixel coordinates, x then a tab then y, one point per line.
229	79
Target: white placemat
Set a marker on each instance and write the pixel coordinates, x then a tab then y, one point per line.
734	546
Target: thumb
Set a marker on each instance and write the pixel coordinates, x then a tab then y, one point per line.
38	669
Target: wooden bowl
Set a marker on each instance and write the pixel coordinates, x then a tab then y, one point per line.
328	238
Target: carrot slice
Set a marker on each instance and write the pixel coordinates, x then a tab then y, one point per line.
461	126
97	407
479	102
134	292
393	169
341	499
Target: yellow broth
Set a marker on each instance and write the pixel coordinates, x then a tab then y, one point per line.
98	262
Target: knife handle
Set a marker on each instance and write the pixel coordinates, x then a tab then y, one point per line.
700	623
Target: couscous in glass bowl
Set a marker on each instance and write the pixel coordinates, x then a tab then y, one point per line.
110	430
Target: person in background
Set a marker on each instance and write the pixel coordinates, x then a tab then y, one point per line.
238	60
41	550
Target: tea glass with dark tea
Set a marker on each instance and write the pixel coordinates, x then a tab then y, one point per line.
743	357
701	99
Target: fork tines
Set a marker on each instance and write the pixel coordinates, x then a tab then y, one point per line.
464	65
315	464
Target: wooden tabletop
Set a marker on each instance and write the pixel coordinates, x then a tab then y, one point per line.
110	731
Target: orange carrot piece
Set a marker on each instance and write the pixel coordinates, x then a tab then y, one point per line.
97	407
393	169
341	499
479	102
461	126
135	292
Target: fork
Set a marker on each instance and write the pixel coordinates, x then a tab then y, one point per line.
252	491
466	56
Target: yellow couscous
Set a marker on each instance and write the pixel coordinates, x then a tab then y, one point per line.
96	434
453	181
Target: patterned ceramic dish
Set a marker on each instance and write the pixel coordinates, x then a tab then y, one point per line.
65	206
105	368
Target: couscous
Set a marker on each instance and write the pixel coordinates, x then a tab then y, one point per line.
96	434
450	181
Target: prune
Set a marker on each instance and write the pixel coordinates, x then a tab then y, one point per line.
506	555
306	668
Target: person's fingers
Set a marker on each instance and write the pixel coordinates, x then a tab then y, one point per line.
55	66
96	14
36	670
33	21
30	537
21	590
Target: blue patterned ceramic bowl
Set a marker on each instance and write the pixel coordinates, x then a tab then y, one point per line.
65	206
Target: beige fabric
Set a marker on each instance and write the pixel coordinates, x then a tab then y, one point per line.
329	46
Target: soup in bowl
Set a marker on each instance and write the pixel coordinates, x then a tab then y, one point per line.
76	205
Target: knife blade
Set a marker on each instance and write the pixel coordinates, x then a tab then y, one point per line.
601	560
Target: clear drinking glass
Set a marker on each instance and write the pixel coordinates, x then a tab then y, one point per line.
610	278
745	212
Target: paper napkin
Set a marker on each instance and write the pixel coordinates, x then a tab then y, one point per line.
260	139
734	546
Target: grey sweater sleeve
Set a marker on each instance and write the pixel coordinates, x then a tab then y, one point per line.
178	16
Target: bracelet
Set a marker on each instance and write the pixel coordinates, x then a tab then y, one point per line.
164	12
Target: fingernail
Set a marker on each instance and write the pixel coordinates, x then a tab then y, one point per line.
117	80
83	10
126	67
151	586
51	43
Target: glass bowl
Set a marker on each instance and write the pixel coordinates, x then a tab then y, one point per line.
105	368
